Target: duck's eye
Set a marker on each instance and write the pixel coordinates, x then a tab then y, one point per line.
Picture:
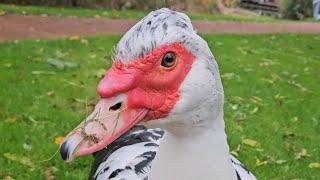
168	60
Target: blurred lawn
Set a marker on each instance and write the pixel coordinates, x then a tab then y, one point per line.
123	14
271	87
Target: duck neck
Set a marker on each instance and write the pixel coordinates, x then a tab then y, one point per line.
200	152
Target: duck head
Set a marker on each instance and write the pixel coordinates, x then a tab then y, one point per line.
163	74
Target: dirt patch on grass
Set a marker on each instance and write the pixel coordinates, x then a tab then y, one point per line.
17	27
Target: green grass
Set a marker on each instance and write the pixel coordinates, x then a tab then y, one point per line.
124	14
271	87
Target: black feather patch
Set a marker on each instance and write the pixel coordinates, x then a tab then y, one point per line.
138	134
148	157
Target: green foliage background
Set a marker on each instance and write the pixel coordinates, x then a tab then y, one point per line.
272	97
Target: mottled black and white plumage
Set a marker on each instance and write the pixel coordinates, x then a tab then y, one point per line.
130	157
163	26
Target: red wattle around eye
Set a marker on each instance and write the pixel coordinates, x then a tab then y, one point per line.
145	83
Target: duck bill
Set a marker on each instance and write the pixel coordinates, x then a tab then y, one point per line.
107	122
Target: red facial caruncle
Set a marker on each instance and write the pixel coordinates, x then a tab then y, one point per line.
146	82
142	89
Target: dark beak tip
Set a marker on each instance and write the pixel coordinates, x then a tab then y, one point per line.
64	151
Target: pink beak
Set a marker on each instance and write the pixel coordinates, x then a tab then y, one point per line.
111	118
106	123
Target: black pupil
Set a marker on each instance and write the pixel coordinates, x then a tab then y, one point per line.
168	60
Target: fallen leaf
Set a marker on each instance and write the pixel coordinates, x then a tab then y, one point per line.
219	43
257	100
54	169
294	83
302	153
286	168
237	99
254	110
26	146
294	76
298	51
100	73
281	161
30	118
242	51
235	153
79	100
12	119
8	65
234	107
259	150
2	12
289	147
295	119
279	98
92	56
263	64
84	41
42	72
240	116
48	174
58	140
50	93
97	16
61	64
41	50
8	178
314	165
73	83
228	75
266	62
247	69
105	13
59	54
250	142
268	80
260	162
275	76
21	159
74	38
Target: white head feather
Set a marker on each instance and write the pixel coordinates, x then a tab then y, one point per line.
201	93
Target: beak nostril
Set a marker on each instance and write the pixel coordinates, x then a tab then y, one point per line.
115	107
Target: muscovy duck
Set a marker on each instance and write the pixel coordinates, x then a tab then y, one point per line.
164	77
